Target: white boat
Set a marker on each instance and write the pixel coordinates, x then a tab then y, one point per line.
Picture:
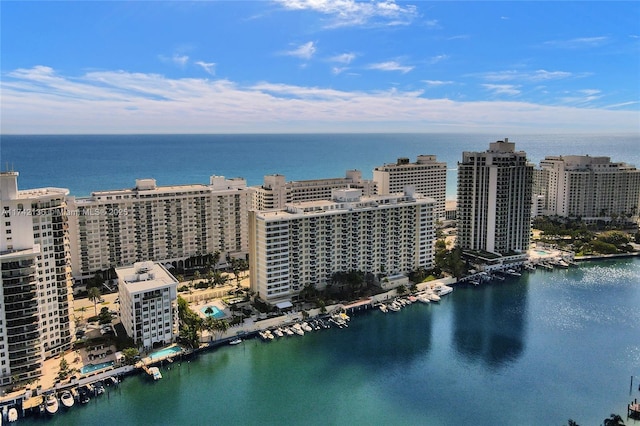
423	298
111	380
235	341
383	308
13	415
394	306
67	399
442	290
433	297
98	388
51	404
297	329
288	331
306	327
155	373
278	332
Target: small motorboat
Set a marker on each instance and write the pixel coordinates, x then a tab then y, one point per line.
67	399
235	341
51	404
12	416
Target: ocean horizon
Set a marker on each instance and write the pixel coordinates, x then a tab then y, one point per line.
88	163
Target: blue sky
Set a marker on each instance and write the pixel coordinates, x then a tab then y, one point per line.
319	66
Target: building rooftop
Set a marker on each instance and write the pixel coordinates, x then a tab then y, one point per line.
145	276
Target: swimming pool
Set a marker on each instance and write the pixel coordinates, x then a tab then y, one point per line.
542	252
90	368
163	353
217	313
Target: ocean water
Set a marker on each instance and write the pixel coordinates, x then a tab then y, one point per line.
92	163
534	350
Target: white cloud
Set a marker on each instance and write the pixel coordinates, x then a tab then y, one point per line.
344	58
434	83
390	66
209	67
352	12
40	100
176	59
534	76
502	89
305	51
438	58
577	43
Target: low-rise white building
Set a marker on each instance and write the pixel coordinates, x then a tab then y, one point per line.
276	192
148	303
306	243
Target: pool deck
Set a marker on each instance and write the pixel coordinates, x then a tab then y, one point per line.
197	307
148	360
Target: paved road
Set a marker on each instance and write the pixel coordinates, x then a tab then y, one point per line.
109	302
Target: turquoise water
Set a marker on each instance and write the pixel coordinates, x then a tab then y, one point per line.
171	350
534	350
90	368
217	313
113	161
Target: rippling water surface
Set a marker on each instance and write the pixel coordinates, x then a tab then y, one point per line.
537	350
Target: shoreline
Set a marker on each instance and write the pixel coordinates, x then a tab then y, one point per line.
245	331
605	256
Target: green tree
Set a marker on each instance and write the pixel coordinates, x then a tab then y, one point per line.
219	279
190	323
64	369
237	266
94	296
105	316
130	355
216	326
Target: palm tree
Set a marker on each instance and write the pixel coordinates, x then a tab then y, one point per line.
215	326
94	296
613	420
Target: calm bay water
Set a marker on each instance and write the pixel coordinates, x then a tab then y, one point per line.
93	163
537	350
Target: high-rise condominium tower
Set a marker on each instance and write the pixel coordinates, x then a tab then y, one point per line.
494	199
35	288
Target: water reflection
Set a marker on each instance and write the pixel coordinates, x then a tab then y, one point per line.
489	322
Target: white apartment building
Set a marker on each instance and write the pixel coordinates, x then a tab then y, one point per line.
494	200
592	188
426	175
148	304
21	354
159	223
305	243
276	192
35	290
